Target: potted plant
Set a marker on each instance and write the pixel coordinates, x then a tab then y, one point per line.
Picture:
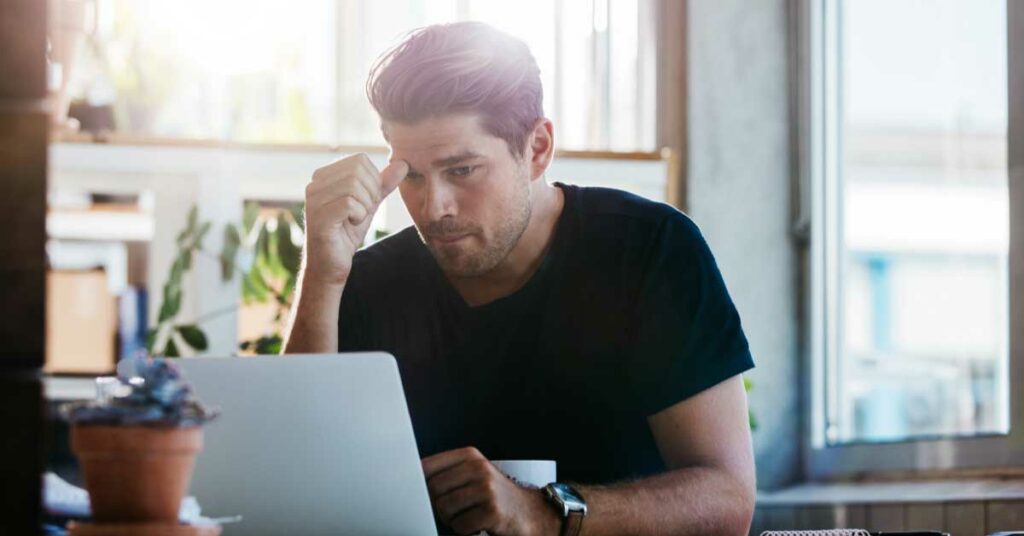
137	442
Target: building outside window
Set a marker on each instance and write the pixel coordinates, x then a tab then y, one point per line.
909	158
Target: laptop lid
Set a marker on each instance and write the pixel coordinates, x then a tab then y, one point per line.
309	444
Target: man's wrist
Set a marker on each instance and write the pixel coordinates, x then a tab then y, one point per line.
550	520
328	287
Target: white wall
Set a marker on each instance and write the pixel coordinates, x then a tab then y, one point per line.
739	193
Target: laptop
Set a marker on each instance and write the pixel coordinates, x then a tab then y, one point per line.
309	444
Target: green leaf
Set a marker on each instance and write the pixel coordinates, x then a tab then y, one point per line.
263	243
172	301
272	259
194	336
289	254
186	259
254	288
227	263
289	289
151	339
229	253
171	350
298	211
379	233
203	229
193	219
249	215
232	236
177	270
269	345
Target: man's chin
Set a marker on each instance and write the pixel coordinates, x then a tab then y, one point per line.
458	264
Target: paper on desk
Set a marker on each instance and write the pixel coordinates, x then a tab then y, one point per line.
60	498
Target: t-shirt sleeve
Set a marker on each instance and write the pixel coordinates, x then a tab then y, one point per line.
687	336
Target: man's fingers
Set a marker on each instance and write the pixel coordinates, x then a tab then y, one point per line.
444	460
370	178
451	505
473	520
391	176
455	477
329	190
354	210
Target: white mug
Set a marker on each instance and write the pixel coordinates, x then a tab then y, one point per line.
536	473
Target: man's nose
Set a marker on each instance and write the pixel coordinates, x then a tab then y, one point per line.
439	200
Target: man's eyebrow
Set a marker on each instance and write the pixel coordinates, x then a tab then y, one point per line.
456	159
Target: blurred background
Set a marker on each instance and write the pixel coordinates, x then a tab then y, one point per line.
921	235
849	161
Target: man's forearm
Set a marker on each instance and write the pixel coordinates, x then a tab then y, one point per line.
313	327
694	500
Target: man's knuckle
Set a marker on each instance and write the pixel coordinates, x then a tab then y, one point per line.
490	511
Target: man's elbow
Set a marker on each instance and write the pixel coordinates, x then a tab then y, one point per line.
738	512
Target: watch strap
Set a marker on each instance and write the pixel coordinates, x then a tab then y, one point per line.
572	524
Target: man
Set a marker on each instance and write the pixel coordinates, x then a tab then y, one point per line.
530	320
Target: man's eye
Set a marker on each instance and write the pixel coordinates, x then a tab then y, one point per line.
462	171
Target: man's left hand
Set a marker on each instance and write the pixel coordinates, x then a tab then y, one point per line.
470	495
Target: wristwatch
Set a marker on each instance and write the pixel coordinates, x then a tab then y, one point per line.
570	505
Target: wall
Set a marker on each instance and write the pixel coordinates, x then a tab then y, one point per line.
738	191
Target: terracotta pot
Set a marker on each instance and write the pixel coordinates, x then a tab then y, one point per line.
136	473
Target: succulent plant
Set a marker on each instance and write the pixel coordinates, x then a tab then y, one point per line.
146	392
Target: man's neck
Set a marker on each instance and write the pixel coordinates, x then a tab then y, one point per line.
522	262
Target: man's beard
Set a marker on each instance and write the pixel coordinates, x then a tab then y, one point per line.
463	261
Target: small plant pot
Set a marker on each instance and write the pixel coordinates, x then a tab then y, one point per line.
136	473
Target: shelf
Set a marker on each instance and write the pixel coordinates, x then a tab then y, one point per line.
100	225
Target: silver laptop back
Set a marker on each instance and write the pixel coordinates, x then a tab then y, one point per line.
309	444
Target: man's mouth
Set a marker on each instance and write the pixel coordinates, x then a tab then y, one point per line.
449	239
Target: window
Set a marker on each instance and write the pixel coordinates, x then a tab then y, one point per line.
294	72
912	243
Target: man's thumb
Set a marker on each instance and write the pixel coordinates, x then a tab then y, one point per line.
392	175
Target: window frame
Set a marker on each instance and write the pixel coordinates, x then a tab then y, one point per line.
817	143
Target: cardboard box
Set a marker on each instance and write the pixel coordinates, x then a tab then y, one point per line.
81	323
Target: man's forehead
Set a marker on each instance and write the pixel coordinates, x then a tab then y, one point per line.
436	140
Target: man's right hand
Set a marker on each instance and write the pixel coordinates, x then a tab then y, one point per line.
341	200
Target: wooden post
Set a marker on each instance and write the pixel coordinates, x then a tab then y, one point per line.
24	125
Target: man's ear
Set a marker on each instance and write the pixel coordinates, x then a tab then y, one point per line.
541	147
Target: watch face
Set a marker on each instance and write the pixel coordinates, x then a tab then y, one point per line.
569	496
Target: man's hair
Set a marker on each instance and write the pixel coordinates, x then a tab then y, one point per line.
465	67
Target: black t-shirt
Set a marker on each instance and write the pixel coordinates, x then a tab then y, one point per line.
626	315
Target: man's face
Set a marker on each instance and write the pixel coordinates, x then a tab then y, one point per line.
468	196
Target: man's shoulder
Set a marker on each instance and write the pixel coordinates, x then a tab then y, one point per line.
389	257
398	246
605	208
